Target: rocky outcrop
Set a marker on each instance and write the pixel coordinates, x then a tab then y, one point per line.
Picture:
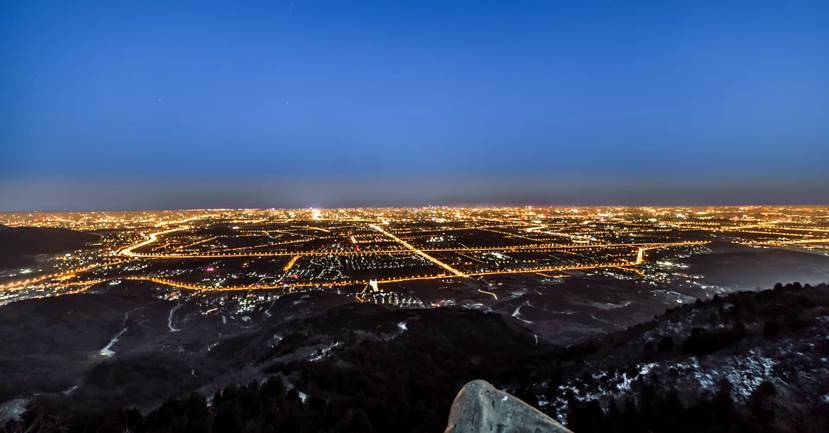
480	408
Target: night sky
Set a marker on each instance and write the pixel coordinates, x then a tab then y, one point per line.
141	104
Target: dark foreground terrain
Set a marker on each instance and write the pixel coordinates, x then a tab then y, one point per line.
20	246
748	362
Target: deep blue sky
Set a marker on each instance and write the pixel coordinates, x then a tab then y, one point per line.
110	104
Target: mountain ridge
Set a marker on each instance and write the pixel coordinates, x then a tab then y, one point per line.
357	367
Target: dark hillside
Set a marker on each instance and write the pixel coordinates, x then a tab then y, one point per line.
18	245
748	362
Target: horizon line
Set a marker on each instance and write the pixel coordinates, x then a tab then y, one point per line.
444	206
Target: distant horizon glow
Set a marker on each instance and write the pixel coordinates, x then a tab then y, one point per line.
376	193
150	105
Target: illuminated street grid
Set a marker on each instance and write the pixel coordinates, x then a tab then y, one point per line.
365	249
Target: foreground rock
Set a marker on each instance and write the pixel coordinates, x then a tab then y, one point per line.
480	408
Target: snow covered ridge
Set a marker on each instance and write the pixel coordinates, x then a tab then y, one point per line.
323	352
744	374
607	386
744	346
696	377
13	410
